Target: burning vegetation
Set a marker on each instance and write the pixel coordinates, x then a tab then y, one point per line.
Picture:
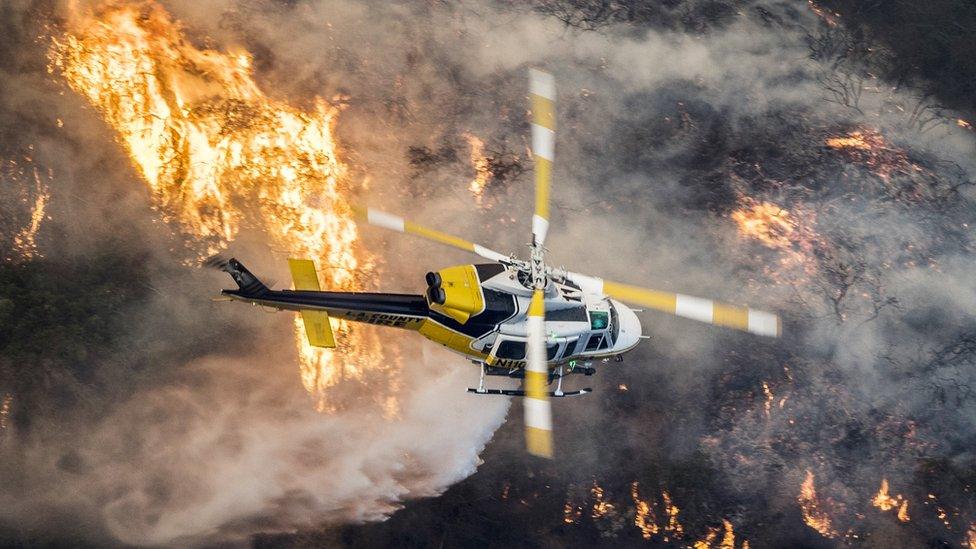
869	147
766	222
25	190
885	502
608	516
217	153
814	514
481	167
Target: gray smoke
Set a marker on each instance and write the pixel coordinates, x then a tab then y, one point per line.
661	132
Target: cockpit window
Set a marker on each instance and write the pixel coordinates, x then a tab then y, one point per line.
594	342
599	320
514	350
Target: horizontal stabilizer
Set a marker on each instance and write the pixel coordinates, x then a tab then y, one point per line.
318	329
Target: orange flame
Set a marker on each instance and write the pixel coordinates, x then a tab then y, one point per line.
481	167
24	240
813	515
601	505
644	518
789	233
672	528
765	222
217	153
885	502
34	193
571	513
711	536
856	140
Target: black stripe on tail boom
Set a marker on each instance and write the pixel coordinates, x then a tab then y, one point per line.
348	305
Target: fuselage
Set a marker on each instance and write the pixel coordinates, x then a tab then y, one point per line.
579	326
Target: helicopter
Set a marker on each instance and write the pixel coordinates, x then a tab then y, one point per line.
517	318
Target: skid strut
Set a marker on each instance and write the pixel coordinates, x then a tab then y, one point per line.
481	381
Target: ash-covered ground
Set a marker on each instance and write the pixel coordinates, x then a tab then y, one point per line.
815	159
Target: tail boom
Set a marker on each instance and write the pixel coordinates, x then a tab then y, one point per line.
396	310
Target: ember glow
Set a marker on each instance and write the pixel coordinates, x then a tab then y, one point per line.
768	393
217	154
828	17
5	404
813	513
571	513
24	240
869	147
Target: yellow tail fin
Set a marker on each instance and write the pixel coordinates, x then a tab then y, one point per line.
318	329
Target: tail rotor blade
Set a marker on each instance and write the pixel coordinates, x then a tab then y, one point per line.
542	92
538	413
385	220
696	308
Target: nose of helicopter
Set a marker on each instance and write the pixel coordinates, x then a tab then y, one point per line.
630	328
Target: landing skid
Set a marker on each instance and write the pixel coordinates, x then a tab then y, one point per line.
521	393
558	375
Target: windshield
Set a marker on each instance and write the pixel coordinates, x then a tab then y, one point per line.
599	320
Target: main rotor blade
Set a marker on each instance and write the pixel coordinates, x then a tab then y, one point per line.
686	306
396	223
538	413
542	92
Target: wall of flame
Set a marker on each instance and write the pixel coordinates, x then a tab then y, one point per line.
220	156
